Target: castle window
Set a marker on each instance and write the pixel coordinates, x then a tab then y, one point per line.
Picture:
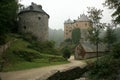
39	18
85	24
31	7
76	24
24	27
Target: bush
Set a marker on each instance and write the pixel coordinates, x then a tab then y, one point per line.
29	37
103	69
66	53
116	50
3	39
44	47
27	56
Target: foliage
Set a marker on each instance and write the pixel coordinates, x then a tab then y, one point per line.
19	56
76	35
2	39
44	47
95	15
110	37
66	53
28	37
114	4
94	32
117	33
8	14
27	56
68	40
116	50
103	69
107	67
37	63
94	36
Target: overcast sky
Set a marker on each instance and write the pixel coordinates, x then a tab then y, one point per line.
61	10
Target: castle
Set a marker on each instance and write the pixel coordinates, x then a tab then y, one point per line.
83	23
84	49
34	19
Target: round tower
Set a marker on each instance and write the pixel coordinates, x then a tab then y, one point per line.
34	19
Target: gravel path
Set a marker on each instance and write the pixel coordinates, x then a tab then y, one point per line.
39	73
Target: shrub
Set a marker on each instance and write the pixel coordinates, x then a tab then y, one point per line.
102	69
27	56
116	50
3	39
44	47
66	53
29	37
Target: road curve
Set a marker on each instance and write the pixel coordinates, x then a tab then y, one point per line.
40	73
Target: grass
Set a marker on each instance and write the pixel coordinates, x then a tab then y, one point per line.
31	65
15	62
91	60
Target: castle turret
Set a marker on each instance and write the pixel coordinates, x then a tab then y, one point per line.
34	19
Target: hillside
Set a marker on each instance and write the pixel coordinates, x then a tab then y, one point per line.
24	54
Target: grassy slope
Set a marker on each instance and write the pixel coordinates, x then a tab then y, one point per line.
16	63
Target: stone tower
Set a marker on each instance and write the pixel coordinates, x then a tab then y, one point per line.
34	19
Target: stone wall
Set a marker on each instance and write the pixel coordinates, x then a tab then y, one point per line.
4	47
69	74
35	23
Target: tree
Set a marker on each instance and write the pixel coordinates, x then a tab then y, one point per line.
114	4
110	36
8	14
66	53
95	15
76	35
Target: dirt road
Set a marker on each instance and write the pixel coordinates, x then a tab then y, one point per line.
39	73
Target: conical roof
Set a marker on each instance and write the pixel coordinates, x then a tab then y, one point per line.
33	7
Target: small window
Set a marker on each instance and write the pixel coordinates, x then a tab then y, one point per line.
39	18
24	27
85	24
76	24
31	7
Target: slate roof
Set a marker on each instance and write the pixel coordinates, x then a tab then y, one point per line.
83	17
69	21
88	47
34	8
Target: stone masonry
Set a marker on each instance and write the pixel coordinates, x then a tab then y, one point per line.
34	19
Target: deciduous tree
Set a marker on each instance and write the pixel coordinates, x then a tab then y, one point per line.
95	15
115	5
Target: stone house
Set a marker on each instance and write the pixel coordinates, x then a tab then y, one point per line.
88	50
34	19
